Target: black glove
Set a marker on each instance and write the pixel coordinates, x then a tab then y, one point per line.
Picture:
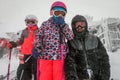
11	44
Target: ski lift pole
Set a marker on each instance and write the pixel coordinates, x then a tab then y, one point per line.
9	61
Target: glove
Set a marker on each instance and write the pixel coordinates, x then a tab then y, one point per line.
35	53
11	44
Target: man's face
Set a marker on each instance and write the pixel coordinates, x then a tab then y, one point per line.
80	26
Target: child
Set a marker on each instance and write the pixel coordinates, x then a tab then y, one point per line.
50	43
27	65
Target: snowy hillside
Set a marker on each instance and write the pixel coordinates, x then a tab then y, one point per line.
114	61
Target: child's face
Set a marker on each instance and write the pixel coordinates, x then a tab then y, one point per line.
80	26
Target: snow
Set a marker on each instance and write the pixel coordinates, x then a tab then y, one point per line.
115	65
114	62
13	65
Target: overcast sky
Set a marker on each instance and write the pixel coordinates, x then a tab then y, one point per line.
13	12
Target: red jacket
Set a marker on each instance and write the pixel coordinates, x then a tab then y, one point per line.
26	40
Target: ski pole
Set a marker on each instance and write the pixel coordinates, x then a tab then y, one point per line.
28	58
21	74
9	61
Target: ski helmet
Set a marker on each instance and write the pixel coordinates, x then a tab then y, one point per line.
32	18
58	4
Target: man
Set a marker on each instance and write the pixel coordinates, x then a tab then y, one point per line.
27	65
50	44
87	58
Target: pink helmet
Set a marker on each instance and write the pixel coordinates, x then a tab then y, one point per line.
58	4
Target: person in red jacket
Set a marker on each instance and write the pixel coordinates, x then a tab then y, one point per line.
28	63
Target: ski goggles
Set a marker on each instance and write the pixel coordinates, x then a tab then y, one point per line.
80	24
30	22
59	13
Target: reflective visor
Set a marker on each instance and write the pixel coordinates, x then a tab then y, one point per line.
30	21
59	11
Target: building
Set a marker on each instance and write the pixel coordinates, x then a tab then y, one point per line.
108	30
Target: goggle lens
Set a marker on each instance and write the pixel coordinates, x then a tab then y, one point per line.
28	22
57	13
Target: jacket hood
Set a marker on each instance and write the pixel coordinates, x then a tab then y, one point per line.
75	19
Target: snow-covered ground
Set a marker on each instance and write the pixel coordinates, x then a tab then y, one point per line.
114	62
13	66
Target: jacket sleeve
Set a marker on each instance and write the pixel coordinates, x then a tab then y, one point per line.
104	73
18	42
70	66
39	39
68	33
